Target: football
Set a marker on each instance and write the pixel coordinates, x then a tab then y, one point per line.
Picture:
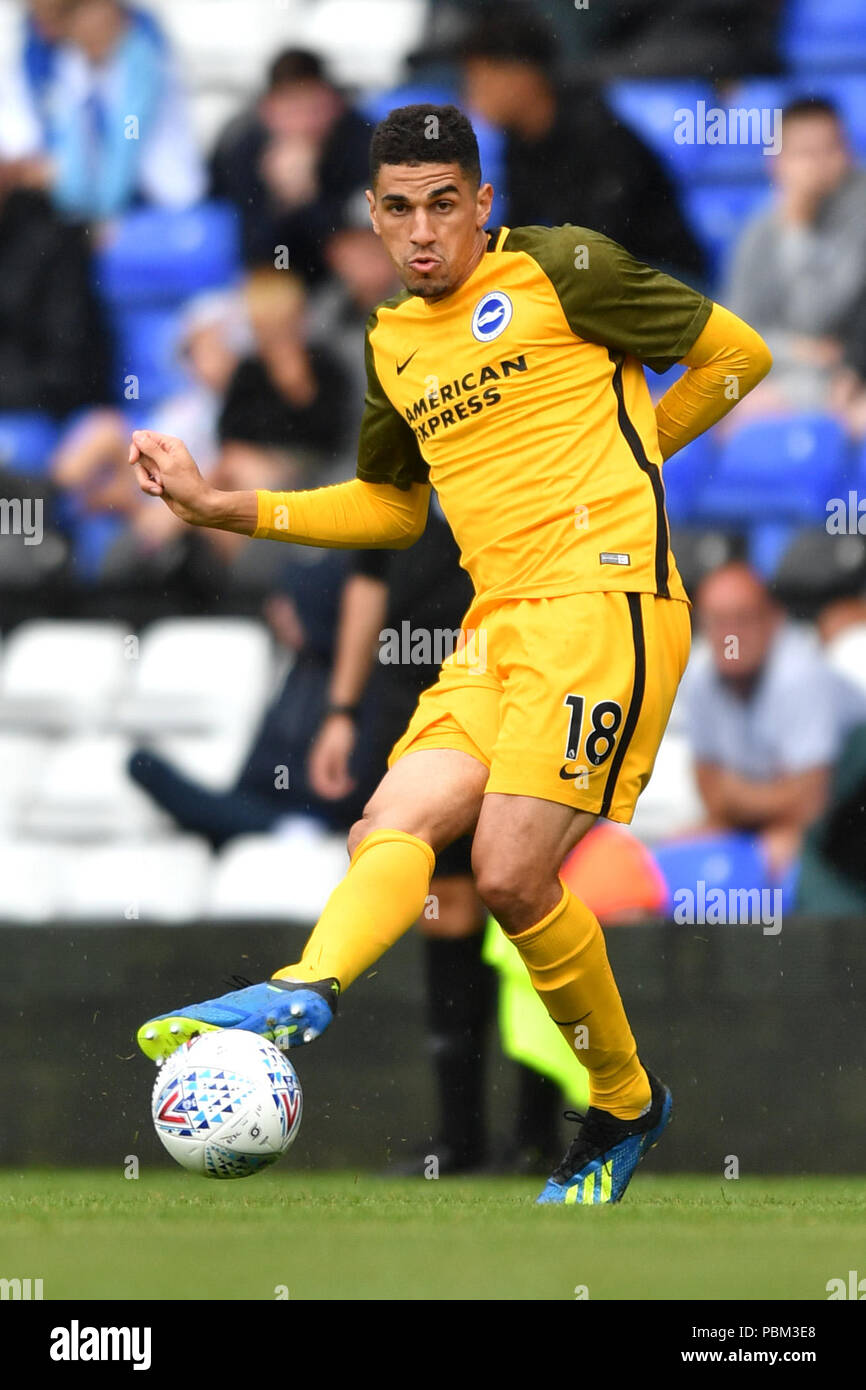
227	1104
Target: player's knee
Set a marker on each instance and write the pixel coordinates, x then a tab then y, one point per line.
508	887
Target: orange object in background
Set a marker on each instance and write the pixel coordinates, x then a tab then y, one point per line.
615	875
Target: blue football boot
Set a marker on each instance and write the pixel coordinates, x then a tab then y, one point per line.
288	1012
601	1160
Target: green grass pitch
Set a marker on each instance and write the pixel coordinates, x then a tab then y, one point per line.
169	1235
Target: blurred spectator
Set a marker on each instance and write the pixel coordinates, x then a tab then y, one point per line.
53	354
567	157
45	31
767	716
361	277
91	463
113	117
289	396
799	269
290	163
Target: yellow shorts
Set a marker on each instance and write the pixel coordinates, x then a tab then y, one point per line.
561	698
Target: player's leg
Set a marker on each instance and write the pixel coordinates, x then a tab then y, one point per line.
581	723
424	801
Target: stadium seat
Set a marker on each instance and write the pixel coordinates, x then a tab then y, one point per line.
278	876
30	873
684	473
783	467
718	212
22	763
767	543
162	255
650	107
86	794
164	880
198	675
824	33
60	674
846	653
716	861
846	89
146	359
365	42
670	803
27	441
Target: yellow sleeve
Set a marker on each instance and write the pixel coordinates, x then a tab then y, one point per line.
347	516
726	360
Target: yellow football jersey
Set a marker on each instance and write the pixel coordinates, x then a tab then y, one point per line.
522	399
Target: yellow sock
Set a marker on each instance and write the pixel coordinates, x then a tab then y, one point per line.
567	962
382	894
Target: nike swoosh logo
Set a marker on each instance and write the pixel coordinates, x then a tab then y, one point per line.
401	366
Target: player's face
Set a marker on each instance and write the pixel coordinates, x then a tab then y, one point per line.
430	218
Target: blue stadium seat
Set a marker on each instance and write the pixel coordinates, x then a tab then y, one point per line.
846	89
27	441
782	469
684	474
159	255
376	105
718	213
824	33
649	107
146	339
725	861
767	543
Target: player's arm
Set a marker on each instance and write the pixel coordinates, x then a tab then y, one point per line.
343	516
726	361
384	507
633	310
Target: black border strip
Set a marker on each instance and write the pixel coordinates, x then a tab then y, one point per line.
637	694
652	471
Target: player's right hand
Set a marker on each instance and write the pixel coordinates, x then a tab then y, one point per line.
165	468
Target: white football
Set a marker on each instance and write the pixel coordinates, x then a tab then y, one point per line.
227	1104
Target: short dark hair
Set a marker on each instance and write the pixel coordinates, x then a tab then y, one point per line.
294	65
425	134
810	106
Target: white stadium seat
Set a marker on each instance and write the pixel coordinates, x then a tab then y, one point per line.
63	674
23	759
85	793
30	874
199	675
670	803
365	42
277	876
163	880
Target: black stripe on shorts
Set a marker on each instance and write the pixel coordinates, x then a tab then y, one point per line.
637	694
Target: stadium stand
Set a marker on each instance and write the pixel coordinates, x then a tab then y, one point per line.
73	703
